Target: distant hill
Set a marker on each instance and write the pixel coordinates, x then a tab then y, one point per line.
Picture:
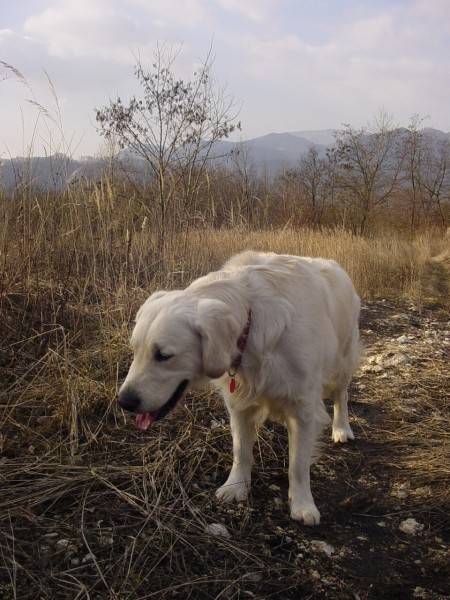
322	137
268	153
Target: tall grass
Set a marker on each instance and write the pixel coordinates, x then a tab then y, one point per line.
75	266
386	265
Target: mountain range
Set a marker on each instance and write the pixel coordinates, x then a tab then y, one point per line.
268	153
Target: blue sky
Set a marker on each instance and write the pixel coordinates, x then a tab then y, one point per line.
293	64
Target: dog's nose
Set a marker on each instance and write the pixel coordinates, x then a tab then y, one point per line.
129	400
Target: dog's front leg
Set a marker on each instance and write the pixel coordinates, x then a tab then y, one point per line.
243	430
302	431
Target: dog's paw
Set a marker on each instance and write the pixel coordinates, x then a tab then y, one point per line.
342	434
230	492
307	513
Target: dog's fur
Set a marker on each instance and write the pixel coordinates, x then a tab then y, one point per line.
303	346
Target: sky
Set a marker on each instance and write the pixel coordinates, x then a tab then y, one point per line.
291	65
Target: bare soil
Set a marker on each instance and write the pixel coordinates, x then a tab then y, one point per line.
126	515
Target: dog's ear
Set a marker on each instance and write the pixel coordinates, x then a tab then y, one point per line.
219	331
152	298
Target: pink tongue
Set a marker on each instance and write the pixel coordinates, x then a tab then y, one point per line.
145	420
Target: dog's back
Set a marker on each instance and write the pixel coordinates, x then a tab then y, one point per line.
248	257
307	284
342	301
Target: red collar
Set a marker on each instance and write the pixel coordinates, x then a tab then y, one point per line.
241	343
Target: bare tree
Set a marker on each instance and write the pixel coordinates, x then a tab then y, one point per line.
412	154
245	180
312	181
435	178
369	169
427	173
173	127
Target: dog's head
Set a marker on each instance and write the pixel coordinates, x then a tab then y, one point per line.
178	341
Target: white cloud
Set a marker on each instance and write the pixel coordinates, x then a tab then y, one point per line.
172	13
438	10
78	29
259	11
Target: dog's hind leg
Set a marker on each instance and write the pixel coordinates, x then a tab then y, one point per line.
342	431
302	432
244	426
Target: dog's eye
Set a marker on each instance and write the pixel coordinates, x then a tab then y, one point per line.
160	357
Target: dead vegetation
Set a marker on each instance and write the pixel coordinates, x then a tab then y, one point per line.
93	508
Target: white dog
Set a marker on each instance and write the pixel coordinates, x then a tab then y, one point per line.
277	334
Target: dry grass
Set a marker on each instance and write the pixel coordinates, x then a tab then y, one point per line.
384	266
91	508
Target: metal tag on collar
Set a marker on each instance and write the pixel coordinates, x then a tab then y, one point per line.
232	380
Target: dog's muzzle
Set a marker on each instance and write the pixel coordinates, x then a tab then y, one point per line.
129	400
